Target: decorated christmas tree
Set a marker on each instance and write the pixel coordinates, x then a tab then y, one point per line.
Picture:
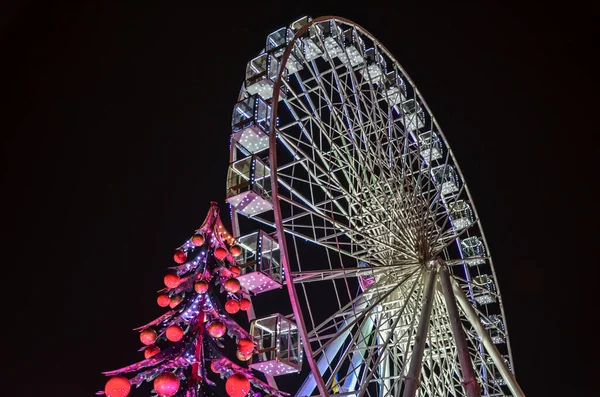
188	349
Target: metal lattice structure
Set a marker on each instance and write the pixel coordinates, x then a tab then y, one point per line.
338	161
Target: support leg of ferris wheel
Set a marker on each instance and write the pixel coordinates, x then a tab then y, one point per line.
466	367
416	359
495	355
384	366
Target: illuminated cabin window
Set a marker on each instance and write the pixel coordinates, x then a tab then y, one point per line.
353	49
494	373
249	186
310	45
484	289
497	336
260	262
333	42
493	323
393	89
250	123
445	178
376	65
473	250
461	215
299	23
277	42
278	345
413	116
430	146
261	73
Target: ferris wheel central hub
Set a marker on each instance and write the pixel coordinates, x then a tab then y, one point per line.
431	264
435	264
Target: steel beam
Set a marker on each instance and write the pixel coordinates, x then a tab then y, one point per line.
489	346
416	358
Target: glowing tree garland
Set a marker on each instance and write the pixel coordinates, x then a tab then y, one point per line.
186	348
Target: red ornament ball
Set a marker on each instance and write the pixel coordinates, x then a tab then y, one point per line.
216	329
174	333
151	351
201	287
197	240
179	256
172	280
245	304
148	336
166	384
243	357
220	253
117	386
236	250
232	285
232	306
163	300
235	270
245	346
237	385
175	300
214	368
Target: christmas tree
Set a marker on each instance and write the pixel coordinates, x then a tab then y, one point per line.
186	349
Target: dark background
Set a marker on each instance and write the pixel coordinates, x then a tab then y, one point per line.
116	132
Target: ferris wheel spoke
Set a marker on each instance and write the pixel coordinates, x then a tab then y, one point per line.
498	369
397	330
392	214
348	131
363	235
353	354
336	160
354	235
357	358
380	122
442	240
395	183
340	131
317	174
443	235
376	354
354	351
355	311
366	139
485	370
346	272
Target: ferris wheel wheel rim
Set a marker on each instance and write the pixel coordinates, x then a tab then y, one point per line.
294	300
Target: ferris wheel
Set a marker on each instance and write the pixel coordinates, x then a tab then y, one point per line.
353	214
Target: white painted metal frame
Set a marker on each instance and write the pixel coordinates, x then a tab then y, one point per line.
350	184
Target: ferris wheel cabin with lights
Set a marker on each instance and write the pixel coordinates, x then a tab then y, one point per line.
340	175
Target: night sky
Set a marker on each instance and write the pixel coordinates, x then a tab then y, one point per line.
116	132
